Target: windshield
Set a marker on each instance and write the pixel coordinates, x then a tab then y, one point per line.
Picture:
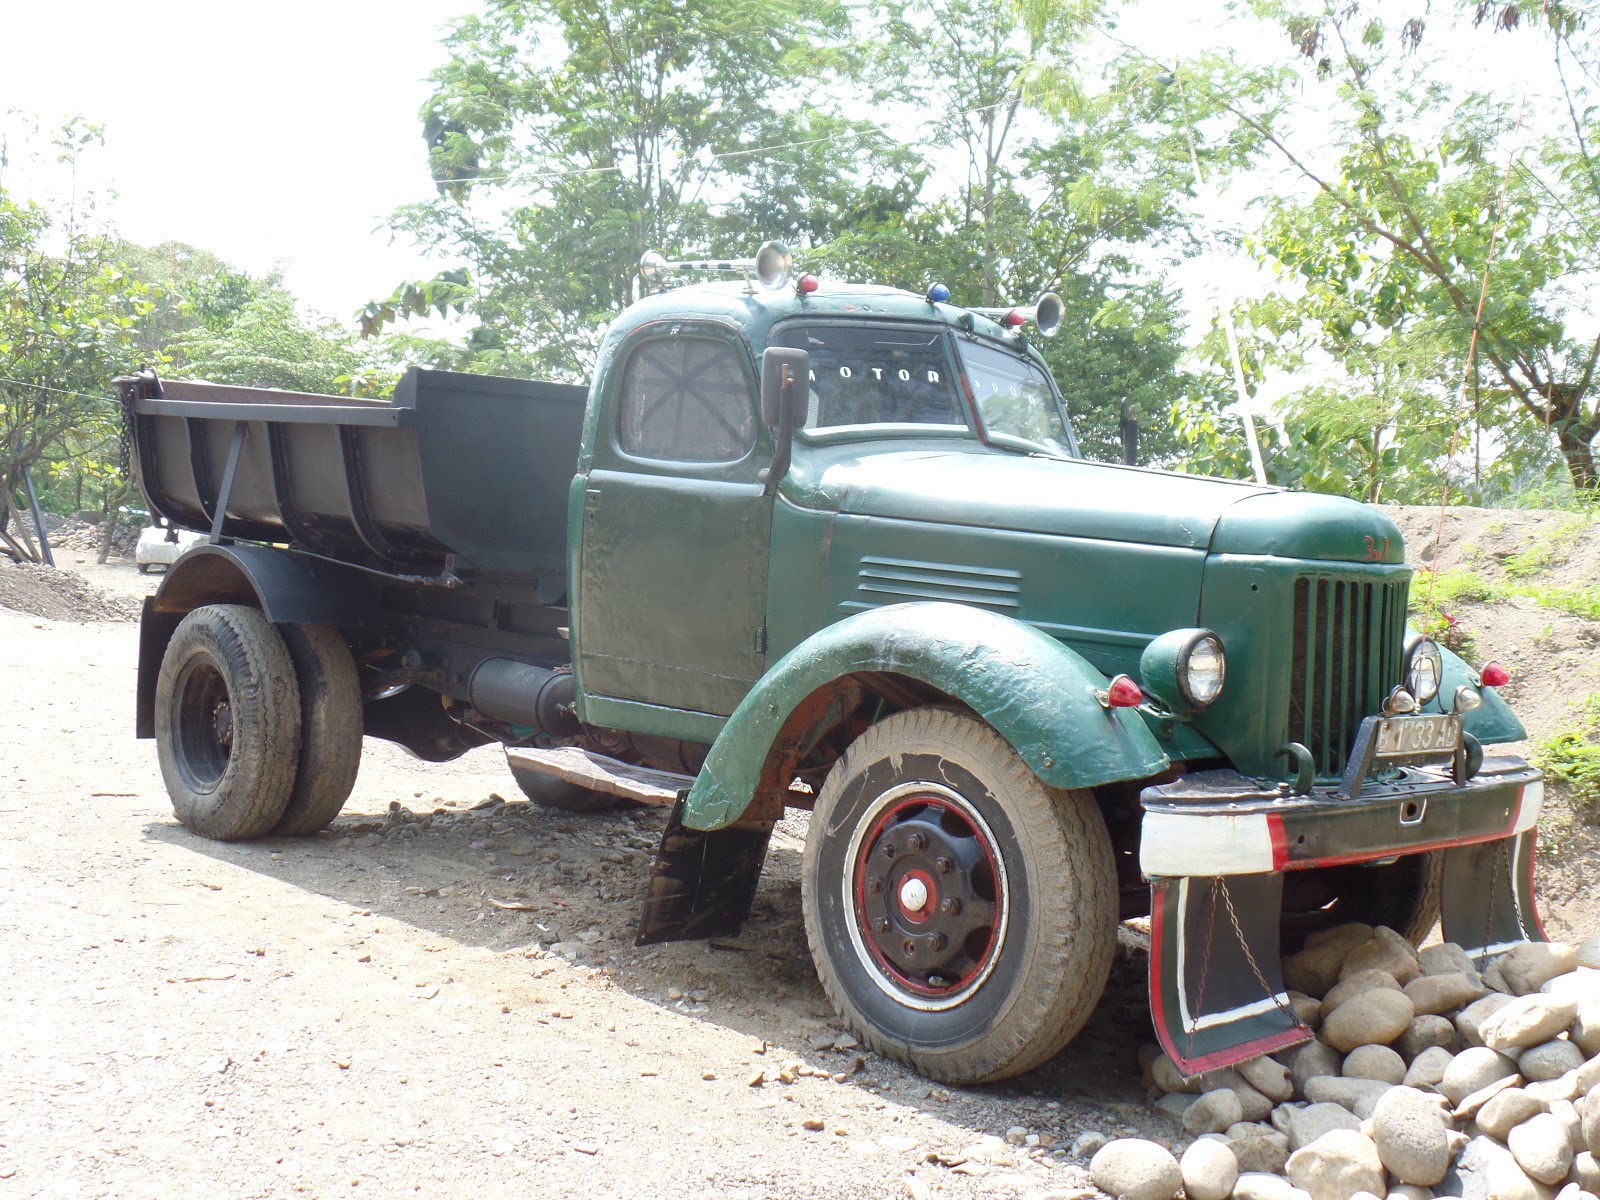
1015	400
873	375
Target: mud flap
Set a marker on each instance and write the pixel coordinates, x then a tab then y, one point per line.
1216	986
704	882
1486	903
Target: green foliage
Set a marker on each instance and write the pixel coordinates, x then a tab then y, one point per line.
1573	757
267	344
1555	543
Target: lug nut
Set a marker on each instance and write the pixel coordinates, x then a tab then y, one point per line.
916	843
909	947
950	906
875	884
883	924
888	850
938	941
943	865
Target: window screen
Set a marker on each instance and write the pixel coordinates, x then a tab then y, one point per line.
686	399
863	376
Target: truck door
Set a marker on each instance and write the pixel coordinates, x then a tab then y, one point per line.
673	572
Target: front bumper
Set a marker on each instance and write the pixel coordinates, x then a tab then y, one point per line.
1215	847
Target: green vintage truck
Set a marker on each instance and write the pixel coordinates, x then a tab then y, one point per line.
826	546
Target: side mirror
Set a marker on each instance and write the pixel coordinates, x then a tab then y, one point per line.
785	399
1129	420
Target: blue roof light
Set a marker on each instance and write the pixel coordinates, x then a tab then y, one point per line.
938	294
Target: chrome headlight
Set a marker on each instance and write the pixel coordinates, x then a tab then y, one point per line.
1424	668
1184	669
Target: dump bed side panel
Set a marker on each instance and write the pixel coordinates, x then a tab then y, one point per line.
473	466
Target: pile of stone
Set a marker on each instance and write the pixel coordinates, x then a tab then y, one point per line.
1426	1078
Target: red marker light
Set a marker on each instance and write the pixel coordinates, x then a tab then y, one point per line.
807	284
1123	692
1494	675
1013	319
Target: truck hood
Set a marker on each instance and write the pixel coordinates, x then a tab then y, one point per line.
1076	498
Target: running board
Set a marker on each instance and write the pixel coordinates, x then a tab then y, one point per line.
642	785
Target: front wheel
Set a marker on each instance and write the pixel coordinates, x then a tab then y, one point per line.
962	914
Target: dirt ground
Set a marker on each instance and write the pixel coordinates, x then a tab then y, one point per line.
440	995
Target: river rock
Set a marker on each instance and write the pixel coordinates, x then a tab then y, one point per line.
1385	951
1527	966
1353	985
1255	1185
1337	1165
1562	1087
1586	1028
1468	1108
1580	984
1549	1060
1136	1169
1269	1077
1567	1113
1408	1191
1586	1172
1310	1060
1374	1062
1209	1170
1447	958
1307	1008
1427	1069
1588	955
1589	1110
1412	1137
1377	1017
1443	993
1506	1180
1213	1112
1471	1018
1307	1124
1258	1147
1315	969
1474	1069
1542	1149
1588	1076
1360	1096
1166	1076
1427	1031
1527	1021
1506	1111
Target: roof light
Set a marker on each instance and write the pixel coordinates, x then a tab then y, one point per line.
1494	675
1014	319
1121	692
808	284
938	294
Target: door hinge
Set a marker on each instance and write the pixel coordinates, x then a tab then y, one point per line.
761	639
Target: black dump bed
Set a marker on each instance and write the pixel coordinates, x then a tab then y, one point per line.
471	466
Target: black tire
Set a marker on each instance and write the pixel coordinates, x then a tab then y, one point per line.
144	568
227	722
330	728
550	791
929	806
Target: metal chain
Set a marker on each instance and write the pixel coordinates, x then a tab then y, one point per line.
125	439
1205	972
1494	890
1221	883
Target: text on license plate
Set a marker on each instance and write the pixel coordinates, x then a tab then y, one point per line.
1404	736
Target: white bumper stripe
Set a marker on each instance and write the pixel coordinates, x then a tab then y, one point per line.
1174	845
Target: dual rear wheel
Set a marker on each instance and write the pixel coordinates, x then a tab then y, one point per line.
258	726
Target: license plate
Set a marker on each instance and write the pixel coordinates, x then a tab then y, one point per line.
1424	736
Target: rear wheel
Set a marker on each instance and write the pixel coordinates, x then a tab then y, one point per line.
1404	895
330	728
551	791
962	914
227	722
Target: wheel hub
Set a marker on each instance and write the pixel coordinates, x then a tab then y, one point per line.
928	895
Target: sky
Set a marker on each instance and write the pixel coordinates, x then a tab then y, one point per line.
285	134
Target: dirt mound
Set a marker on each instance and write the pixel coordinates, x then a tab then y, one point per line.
60	595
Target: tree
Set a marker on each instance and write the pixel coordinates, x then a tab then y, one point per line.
1389	240
568	138
69	321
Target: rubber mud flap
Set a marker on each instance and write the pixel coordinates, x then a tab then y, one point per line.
1486	897
1216	984
704	882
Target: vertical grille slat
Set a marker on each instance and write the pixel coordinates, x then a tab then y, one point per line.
1348	635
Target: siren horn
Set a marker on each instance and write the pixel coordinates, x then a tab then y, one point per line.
1047	312
770	267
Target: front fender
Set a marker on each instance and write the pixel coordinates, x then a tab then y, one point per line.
1035	692
1491	722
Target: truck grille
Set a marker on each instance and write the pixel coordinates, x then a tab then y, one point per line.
1348	655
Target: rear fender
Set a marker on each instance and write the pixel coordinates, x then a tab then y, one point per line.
1035	692
286	587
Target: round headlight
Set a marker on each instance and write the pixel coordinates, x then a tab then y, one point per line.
1201	671
1424	669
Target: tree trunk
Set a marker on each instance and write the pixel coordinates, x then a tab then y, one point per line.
1579	455
110	530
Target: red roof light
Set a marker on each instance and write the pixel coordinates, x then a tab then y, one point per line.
807	284
1123	692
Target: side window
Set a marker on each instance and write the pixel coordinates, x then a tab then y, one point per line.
686	399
